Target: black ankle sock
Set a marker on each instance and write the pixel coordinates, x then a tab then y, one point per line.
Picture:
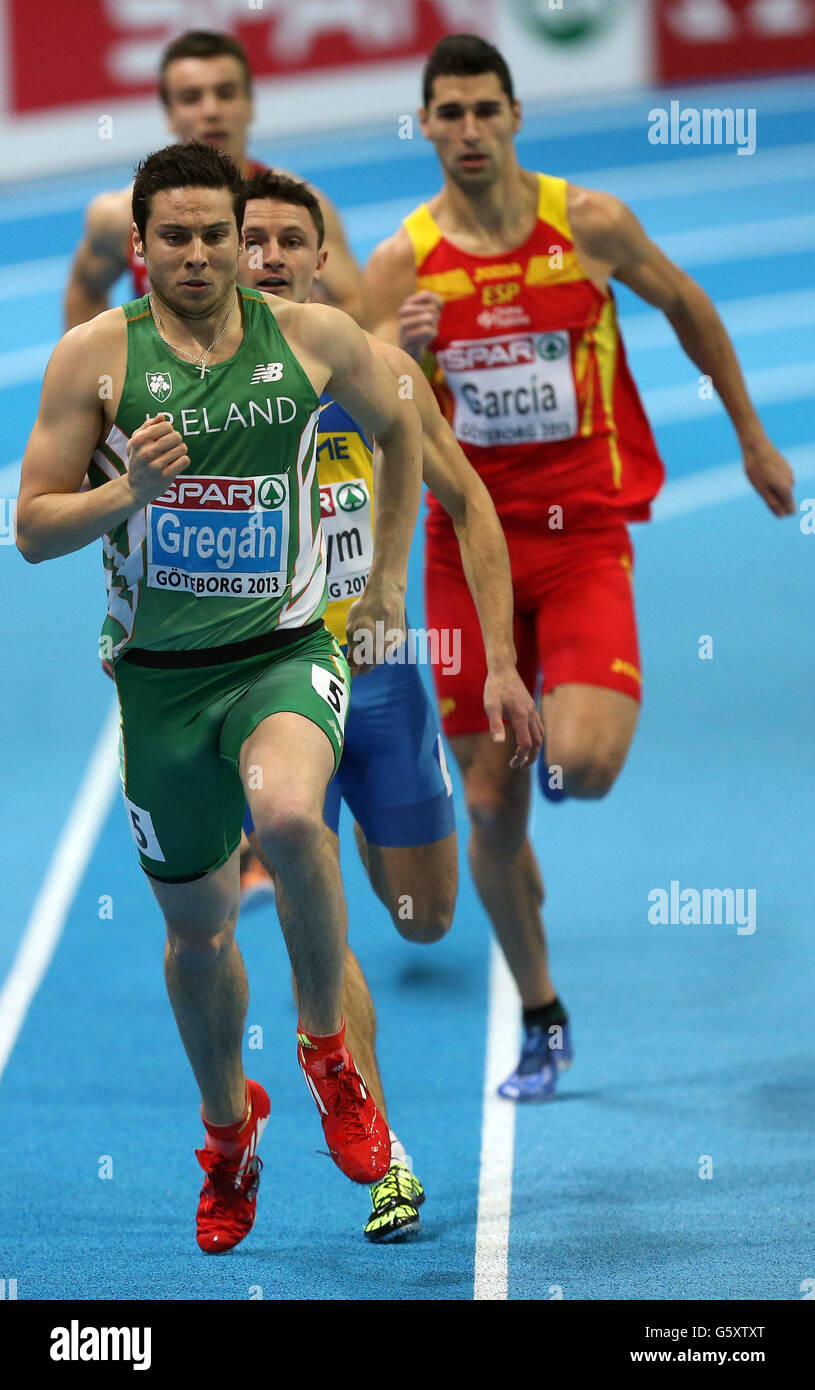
545	1015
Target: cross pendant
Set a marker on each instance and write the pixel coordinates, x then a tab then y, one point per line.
203	369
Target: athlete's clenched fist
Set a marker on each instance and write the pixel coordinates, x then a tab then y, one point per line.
156	453
419	322
375	626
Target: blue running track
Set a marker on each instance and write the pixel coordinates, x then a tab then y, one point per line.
694	1043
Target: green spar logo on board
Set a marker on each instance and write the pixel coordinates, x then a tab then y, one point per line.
351	497
271	493
567	22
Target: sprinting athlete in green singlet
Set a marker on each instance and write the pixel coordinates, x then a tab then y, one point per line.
198	406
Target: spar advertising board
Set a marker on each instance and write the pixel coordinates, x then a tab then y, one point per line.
732	38
318	63
579	47
114	45
70	52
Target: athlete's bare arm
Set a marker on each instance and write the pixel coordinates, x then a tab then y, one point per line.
608	237
452	479
54	515
100	258
395	312
336	354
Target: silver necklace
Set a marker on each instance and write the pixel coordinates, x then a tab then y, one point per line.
200	360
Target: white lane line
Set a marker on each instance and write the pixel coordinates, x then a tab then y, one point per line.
726	483
740	241
679	498
747	317
10	479
24	365
497	1136
68	863
36	199
671	405
701	173
44	276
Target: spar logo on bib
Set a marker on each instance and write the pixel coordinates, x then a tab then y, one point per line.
352	496
514	389
217	536
271	493
552	346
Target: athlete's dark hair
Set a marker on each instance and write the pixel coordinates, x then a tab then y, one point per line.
185	166
464	55
202	43
283	189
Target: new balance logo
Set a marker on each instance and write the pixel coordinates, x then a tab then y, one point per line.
272	371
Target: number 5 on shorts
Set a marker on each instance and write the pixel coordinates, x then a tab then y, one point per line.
332	688
141	828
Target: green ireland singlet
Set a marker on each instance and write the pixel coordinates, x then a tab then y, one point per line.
233	548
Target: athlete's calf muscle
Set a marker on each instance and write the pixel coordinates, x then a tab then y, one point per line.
417	883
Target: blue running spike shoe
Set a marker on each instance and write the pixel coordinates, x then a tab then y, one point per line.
545	1052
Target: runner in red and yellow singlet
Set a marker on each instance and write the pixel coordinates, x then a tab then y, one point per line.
500	286
527	354
205	84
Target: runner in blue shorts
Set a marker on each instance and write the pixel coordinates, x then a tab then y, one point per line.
393	775
397	789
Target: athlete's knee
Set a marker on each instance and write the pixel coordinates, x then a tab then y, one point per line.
199	948
288	829
587	773
498	812
425	918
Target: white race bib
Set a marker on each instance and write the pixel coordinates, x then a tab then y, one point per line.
214	536
516	389
345	510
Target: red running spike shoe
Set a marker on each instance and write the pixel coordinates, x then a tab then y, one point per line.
358	1137
226	1208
